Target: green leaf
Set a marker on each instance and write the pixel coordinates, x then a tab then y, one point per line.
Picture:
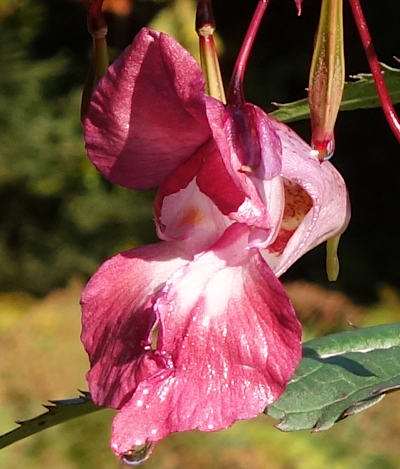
340	375
358	94
58	412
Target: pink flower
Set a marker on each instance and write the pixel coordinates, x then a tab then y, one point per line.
196	332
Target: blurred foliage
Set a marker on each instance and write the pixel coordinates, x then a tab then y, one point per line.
7	7
60	217
178	21
36	365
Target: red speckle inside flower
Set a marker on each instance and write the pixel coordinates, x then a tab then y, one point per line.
297	204
280	242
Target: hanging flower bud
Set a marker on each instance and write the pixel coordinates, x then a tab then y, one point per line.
326	77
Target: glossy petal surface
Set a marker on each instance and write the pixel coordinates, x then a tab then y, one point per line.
118	318
147	115
231	339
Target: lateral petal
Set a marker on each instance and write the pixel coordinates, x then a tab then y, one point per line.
324	215
147	115
232	341
117	319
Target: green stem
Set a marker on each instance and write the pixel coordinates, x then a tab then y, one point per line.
205	27
59	412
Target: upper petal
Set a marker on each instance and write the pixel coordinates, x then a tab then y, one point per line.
147	115
230	336
117	319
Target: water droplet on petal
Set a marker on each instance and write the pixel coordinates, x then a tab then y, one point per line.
330	149
138	454
323	149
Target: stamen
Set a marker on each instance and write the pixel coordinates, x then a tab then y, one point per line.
246	169
97	28
235	94
332	259
326	80
372	58
205	27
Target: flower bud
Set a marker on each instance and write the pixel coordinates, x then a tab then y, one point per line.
326	80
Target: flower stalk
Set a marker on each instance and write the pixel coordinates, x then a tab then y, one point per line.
327	75
375	67
97	28
236	95
205	27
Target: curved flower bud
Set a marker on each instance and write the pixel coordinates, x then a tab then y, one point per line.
326	81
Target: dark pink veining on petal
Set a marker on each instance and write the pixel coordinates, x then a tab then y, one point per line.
230	354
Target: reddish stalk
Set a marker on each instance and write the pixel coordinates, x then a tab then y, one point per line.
97	28
95	18
375	67
235	94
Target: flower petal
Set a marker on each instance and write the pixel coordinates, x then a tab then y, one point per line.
118	319
254	141
249	208
298	5
147	115
232	341
191	216
183	212
317	195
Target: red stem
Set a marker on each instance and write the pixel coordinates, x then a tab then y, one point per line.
375	67
204	15
235	94
95	18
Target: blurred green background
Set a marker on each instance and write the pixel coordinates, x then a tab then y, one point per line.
60	219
